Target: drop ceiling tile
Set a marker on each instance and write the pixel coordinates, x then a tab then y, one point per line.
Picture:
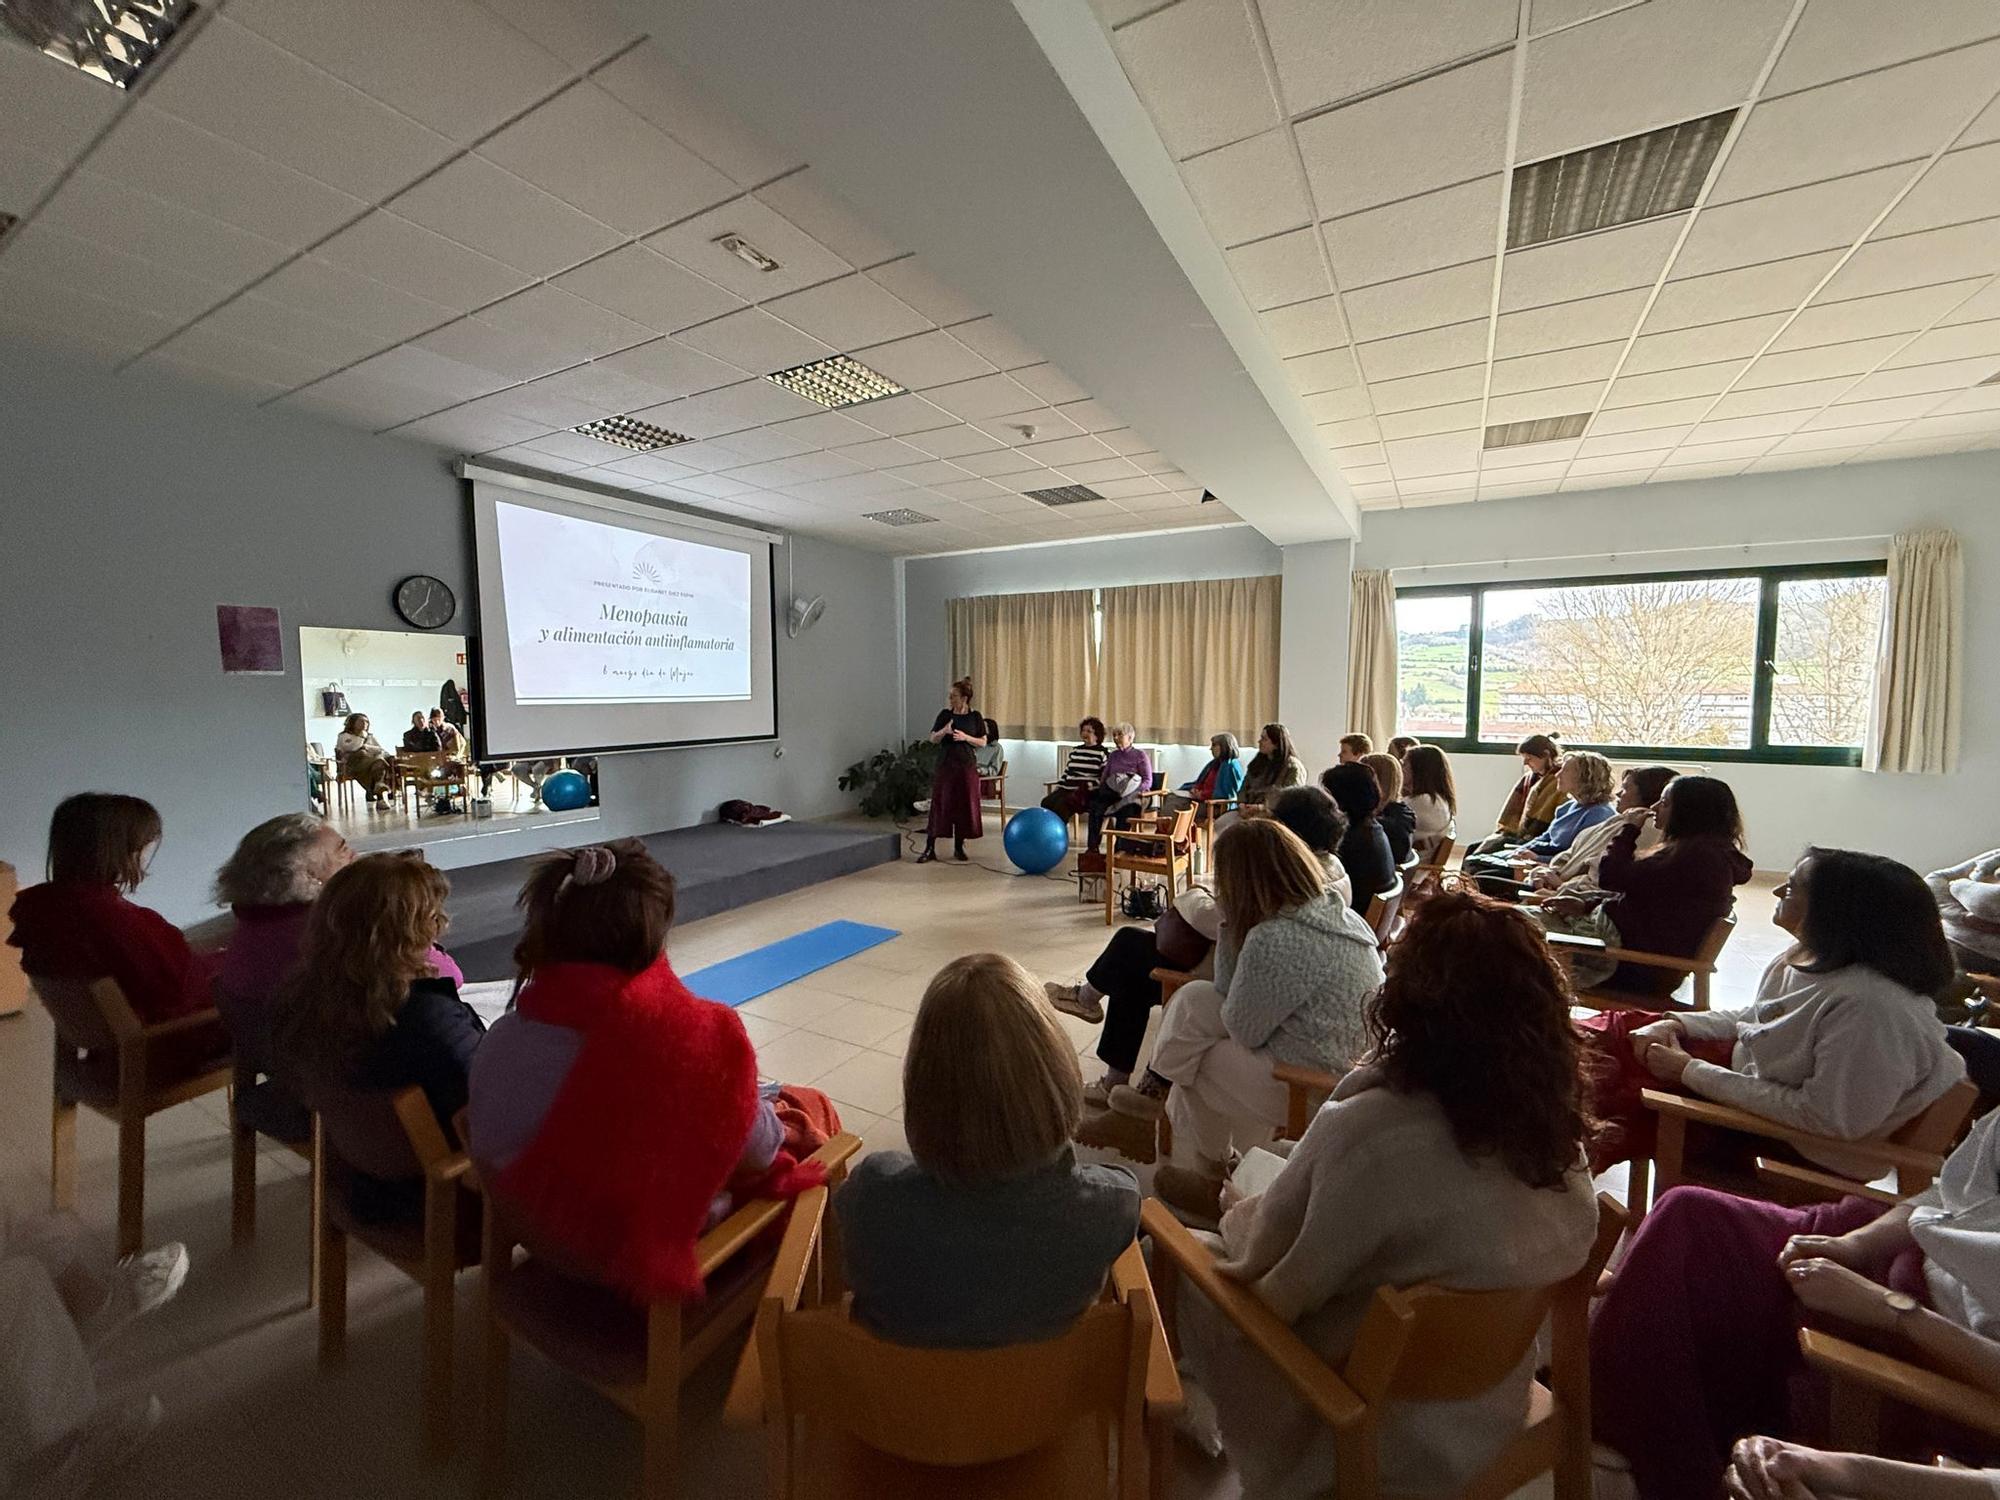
472	342
1702	344
1673	385
1416	353
899	416
1249	190
900	457
1283	269
1819	364
1426	233
911	281
1196	65
973	490
1779	226
657	89
365	400
338	295
63	316
669	367
1606	481
955	442
1591	265
1629	461
1869	317
1960	341
1982	399
534	401
1439	489
753	445
929	471
1329	370
1359	431
1338	406
1807	137
1430	300
1361	458
649	289
67	107
1305	327
471	431
996	343
1735	429
998	464
38	251
117	217
1436	389
652	467
409	365
1624	444
447	64
802	260
1507	464
1975	424
1526	479
1065	451
753	403
285	367
1563	325
1802	398
1443	453
1334	49
1669	474
1700	56
1843	437
827	429
1960	186
1741	450
412	259
1050	384
803	199
1099	472
533	458
554	317
987	396
478	205
1774	463
1422	136
25	174
571	447
717	486
754	340
1122	440
1936	255
1778	286
848	313
1836	38
1650	415
927	360
580	32
1949	376
1557	401
233	82
1559	367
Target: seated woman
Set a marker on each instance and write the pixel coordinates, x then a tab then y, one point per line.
1364	852
1696	1343
1430	1164
615	1114
1128	772
1293	971
1433	797
366	1009
79	924
1082	773
1585	782
1531	805
987	1231
1760	1466
1220	780
1843	1039
1662	902
1397	818
1576	866
1122	982
360	756
1402	745
1968	899
1273	768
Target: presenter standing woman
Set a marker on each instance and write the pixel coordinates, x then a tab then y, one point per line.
955	787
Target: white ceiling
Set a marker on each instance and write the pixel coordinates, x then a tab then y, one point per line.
1831	299
478	225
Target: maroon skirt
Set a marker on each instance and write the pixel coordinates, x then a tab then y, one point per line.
955	802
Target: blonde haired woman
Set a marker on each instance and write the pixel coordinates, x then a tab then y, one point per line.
1588	785
986	1231
1293	974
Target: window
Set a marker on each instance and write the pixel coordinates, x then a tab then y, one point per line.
1776	664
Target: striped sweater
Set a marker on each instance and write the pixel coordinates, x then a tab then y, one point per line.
1085	766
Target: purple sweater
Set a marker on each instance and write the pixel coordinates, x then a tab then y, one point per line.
1131	761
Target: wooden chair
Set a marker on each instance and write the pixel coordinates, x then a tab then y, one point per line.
258	1105
394	1135
13	982
1863	1380
1914	1151
1383	908
1422	1343
994	784
848	1416
1700	965
1063	753
108	1062
1168	851
1306	1089
638	1357
1429	873
428	773
1207	813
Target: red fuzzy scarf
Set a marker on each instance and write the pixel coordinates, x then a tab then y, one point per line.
646	1129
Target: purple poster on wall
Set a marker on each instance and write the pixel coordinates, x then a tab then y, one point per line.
250	638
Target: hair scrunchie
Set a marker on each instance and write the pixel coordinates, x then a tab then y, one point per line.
591	865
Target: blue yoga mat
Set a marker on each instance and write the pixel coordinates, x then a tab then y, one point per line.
775	965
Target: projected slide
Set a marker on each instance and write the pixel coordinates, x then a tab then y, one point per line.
604	614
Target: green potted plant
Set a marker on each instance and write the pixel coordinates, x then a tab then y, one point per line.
891	781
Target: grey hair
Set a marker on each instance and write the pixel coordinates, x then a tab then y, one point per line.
1230	749
268	867
1124	727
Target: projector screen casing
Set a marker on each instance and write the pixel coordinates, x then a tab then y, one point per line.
504	729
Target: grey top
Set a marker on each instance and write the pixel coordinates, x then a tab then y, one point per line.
1010	1262
1299	985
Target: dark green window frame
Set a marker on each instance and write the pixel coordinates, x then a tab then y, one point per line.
1760	751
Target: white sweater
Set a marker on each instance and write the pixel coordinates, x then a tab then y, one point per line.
1434	821
1377	1194
1968	898
1956	1223
1848	1054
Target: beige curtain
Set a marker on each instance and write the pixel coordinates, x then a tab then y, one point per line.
1186	661
1914	722
1032	659
1371	656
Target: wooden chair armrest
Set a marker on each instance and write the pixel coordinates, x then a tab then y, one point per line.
1902	1381
1318	1385
1704	1112
456	1167
1149	834
1831	1184
715	1248
1305	1078
1163	1381
177	1025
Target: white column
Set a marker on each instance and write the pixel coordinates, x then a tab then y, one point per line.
1312	647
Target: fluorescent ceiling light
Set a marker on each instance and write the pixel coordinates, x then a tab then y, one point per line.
836	381
900	517
1063	494
111	40
630	432
1620	182
1539	430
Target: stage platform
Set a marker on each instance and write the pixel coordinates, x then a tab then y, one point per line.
716	866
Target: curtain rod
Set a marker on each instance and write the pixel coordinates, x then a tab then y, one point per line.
1635	552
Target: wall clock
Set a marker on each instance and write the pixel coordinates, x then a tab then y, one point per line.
425	602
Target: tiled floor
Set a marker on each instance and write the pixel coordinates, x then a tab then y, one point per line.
249	1411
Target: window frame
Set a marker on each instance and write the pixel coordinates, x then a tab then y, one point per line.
1760	751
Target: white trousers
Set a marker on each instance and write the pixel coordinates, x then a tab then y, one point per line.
46	1386
1224	1096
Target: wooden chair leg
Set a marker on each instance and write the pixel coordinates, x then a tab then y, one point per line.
242	1186
131	1184
440	1297
660	1406
1638	1187
332	1291
62	1157
315	1210
493	1409
1670	1153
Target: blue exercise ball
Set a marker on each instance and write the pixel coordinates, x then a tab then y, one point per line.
565	791
1036	840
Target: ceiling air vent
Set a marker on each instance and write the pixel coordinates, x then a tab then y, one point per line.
1064	494
1540	430
899	517
630	432
111	40
836	381
1620	182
